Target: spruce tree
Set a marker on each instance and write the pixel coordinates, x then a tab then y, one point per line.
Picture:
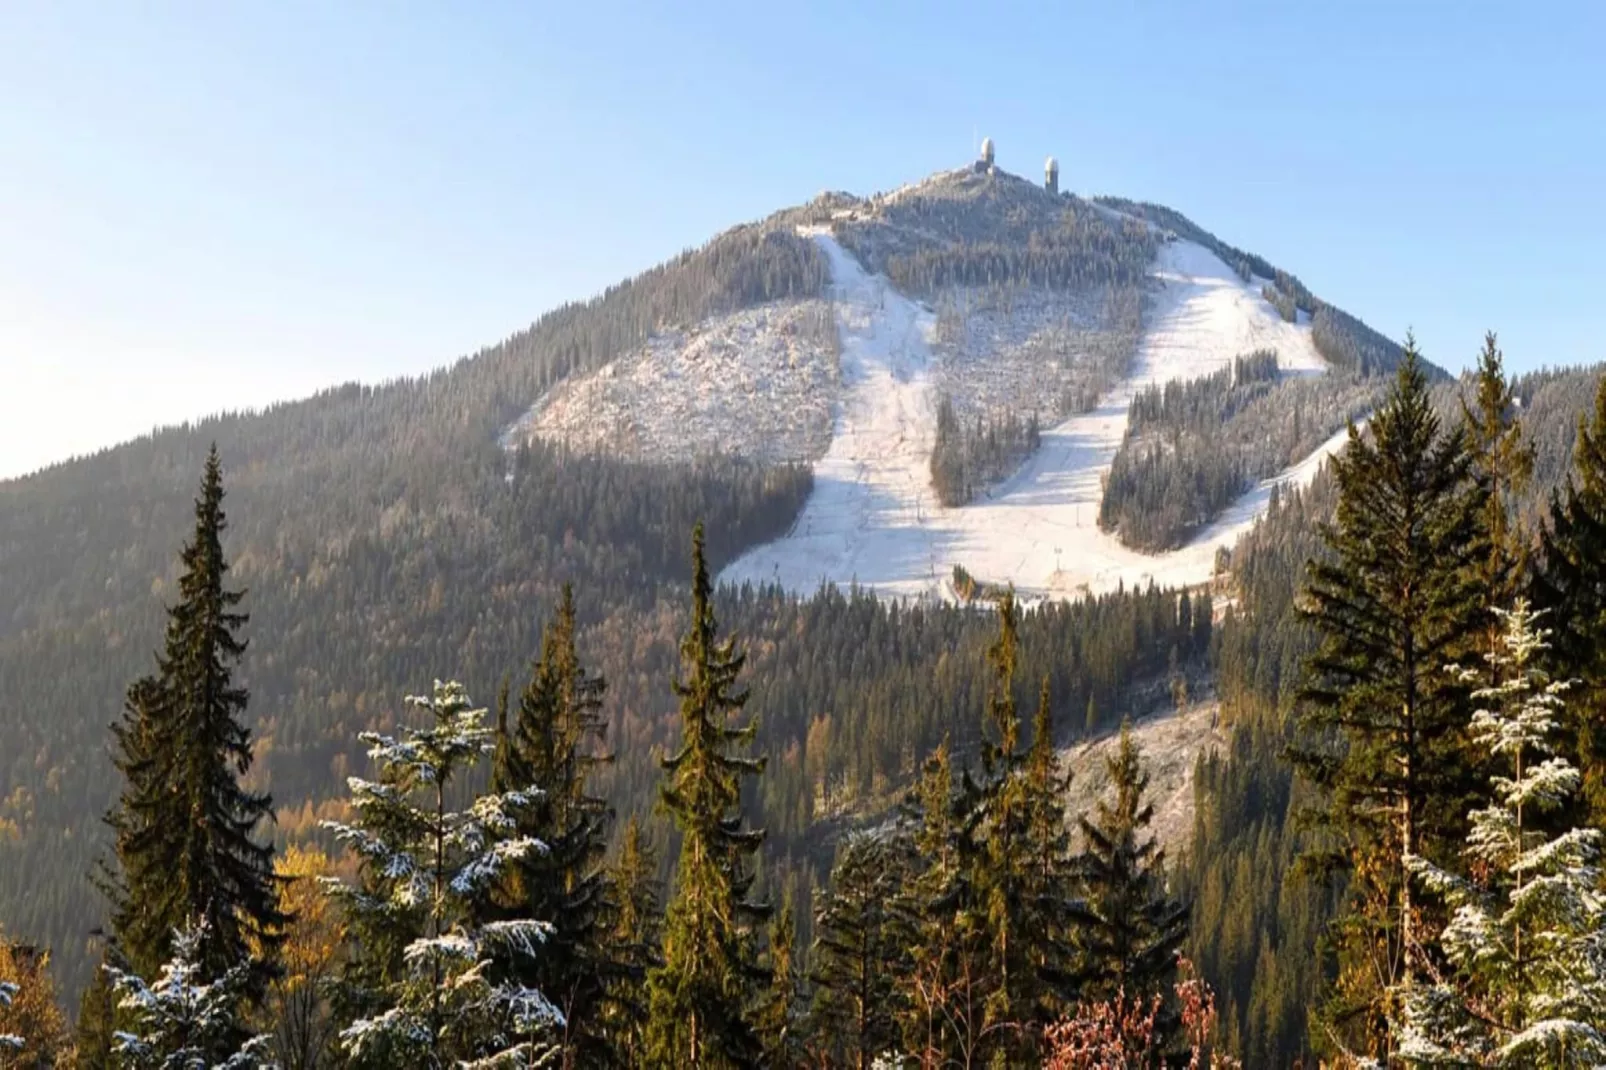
1049	878
780	1018
635	934
1128	929
942	995
186	853
1017	895
187	1017
1396	600
1570	586
861	947
553	747
1525	953
431	982
702	999
1504	459
995	849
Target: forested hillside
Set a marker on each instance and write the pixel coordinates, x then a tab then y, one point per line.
905	822
385	536
1265	880
383	531
1193	447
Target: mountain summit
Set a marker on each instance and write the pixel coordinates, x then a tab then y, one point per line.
967	381
935	319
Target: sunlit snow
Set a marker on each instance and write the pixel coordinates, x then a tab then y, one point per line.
873	518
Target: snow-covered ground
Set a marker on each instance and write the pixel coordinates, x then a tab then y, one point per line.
759	382
873	519
1026	350
1171	741
874	480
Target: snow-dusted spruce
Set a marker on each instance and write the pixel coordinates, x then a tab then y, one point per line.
1526	945
184	1021
8	1042
430	984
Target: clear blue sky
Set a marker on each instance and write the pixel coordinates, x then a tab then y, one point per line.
210	205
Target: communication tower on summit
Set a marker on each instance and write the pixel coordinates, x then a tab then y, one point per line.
1051	175
986	161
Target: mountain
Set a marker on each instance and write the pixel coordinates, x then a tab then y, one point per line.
785	383
991	298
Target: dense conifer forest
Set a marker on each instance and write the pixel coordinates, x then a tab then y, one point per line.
339	734
1192	448
1005	929
966	459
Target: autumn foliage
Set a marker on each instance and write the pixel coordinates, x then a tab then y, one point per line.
1122	1033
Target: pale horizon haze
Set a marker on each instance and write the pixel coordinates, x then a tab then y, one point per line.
218	206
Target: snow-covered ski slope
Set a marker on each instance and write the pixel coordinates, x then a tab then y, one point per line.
873	519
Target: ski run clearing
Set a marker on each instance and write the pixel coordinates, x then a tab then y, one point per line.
1171	741
873	519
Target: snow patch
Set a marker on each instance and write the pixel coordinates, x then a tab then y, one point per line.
760	382
873	518
1171	741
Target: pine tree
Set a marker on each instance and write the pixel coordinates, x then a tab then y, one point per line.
552	747
430	981
702	998
1128	928
183	826
185	1020
779	1017
995	848
941	996
1526	948
635	934
1396	601
1005	829
861	943
1571	586
1505	459
1050	879
94	1035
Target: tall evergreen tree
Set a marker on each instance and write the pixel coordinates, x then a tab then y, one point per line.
1504	457
1049	878
1525	983
702	998
861	946
943	993
1397	599
1570	585
780	1017
635	934
553	748
186	853
1128	928
995	848
430	982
